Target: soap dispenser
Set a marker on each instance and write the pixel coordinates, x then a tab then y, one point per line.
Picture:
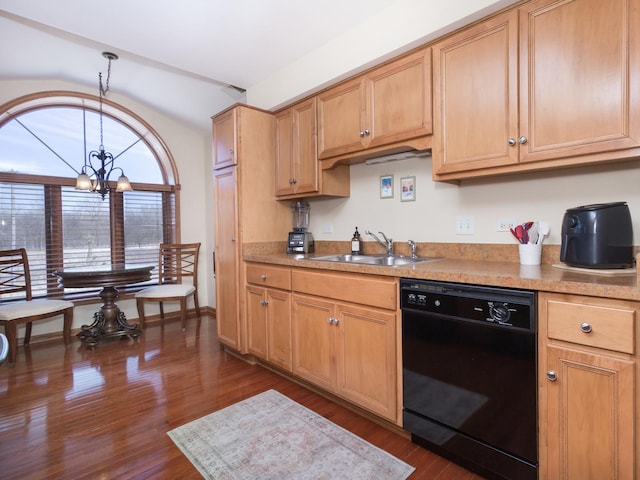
355	243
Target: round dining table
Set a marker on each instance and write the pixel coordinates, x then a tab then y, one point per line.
109	321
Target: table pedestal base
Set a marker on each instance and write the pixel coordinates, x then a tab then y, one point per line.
108	322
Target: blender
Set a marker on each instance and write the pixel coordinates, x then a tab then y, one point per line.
300	241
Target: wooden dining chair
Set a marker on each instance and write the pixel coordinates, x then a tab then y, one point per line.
17	305
177	280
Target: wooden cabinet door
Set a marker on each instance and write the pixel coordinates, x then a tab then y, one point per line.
400	95
587	416
279	328
224	143
284	152
314	340
305	152
341	114
366	358
476	97
296	158
579	76
227	257
257	314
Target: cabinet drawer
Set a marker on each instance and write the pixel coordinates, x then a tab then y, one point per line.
610	327
379	292
269	276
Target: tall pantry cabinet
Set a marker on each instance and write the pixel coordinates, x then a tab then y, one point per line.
245	208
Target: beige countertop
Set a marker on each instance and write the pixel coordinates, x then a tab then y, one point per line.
481	271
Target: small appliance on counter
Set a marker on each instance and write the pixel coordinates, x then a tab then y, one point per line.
598	236
300	241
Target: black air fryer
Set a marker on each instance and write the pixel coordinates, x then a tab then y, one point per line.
598	236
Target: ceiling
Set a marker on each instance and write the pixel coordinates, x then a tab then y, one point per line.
185	53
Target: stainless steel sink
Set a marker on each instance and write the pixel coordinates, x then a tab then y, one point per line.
385	260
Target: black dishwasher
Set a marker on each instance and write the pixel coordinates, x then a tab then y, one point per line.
469	375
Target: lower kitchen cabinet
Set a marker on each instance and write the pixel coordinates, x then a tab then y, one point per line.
346	348
587	380
366	358
269	314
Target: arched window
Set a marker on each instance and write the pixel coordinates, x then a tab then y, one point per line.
44	141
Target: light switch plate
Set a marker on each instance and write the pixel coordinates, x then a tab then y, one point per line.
464	225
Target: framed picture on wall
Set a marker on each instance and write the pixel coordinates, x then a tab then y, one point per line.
407	189
386	186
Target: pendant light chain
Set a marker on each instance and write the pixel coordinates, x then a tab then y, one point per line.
103	91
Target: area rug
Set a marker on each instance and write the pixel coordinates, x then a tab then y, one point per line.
269	436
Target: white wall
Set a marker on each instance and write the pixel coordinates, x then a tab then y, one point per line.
404	25
191	149
431	217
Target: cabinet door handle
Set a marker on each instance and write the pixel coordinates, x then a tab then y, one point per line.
522	140
586	327
512	141
264	302
552	376
263	277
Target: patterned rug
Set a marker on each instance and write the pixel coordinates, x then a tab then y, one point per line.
269	436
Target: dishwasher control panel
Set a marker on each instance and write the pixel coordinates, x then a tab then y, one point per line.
499	306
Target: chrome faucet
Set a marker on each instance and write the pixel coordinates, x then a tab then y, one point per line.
387	243
412	244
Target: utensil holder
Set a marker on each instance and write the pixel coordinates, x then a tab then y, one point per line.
530	253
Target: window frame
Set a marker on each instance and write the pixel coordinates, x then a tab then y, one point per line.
170	189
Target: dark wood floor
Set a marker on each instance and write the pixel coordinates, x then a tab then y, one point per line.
72	413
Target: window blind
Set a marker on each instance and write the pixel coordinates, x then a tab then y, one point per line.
64	228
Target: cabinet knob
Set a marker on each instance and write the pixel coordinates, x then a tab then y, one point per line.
366	132
233	239
231	151
586	327
552	376
512	141
330	320
263	277
362	133
522	140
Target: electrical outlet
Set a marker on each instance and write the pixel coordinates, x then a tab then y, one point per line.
464	225
504	224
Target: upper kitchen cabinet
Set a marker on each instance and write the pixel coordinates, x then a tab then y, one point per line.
582	92
389	106
298	172
475	97
551	84
224	140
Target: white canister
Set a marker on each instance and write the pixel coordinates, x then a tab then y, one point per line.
530	253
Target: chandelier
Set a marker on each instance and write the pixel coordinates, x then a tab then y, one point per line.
99	164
